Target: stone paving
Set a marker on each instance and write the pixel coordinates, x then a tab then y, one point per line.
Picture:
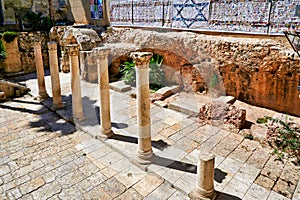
244	169
44	157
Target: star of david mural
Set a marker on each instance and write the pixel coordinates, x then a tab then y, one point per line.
185	7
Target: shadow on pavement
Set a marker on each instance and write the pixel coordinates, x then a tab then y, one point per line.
119	125
219	175
224	196
160	144
45	120
25	77
173	164
113	124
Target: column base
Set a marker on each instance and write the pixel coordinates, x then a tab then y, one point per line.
43	95
200	194
106	132
57	106
77	116
145	158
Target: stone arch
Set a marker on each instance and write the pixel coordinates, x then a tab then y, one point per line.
87	39
176	44
178	69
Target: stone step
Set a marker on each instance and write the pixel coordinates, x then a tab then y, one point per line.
168	90
12	89
226	99
2	96
190	103
120	86
185	107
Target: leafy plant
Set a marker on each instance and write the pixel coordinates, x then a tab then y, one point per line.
36	22
283	137
262	120
9	36
249	136
128	72
2	51
214	81
33	19
46	24
156	75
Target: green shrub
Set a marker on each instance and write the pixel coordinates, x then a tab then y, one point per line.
9	36
46	24
36	22
33	20
262	120
283	137
2	51
156	75
249	136
128	72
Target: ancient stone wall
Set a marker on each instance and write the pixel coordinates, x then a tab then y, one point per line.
58	10
25	40
12	62
260	71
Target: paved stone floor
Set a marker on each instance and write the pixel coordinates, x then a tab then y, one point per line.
244	169
44	157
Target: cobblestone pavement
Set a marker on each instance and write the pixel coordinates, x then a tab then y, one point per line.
44	157
244	169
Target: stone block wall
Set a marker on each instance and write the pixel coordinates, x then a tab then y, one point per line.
12	63
260	71
12	7
20	53
25	41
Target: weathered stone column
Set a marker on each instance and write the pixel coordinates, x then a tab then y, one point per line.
40	70
205	178
102	63
73	51
142	60
55	82
64	62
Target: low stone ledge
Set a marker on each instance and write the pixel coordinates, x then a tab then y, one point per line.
2	96
12	89
120	86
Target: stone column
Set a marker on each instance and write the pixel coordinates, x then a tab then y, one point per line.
142	60
40	70
73	51
55	82
205	178
102	63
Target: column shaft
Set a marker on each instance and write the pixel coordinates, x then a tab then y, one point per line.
142	60
40	70
103	80
55	81
143	109
205	178
73	51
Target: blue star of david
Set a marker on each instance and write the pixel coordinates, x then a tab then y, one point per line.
190	21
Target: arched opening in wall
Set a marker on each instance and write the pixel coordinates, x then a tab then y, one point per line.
172	68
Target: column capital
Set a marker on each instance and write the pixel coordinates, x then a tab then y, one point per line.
141	59
101	51
52	46
37	44
73	49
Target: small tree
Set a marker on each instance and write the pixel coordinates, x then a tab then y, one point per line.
36	22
